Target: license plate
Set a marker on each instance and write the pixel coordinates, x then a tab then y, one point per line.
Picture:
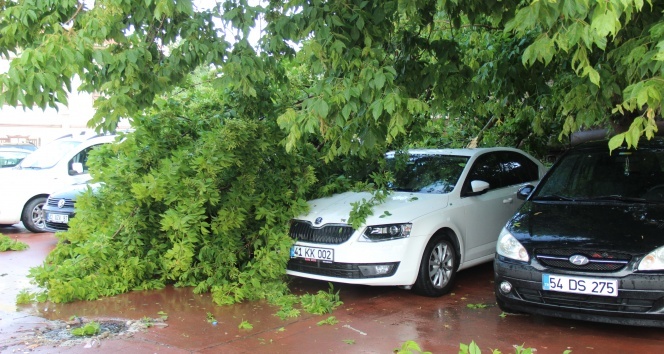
58	218
312	253
580	285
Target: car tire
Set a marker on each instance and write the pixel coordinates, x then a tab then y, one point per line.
33	215
438	268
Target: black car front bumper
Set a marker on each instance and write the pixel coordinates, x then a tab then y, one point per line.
640	299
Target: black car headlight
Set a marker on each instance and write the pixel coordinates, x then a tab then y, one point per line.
385	232
653	260
508	246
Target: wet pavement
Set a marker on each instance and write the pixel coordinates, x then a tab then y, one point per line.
371	320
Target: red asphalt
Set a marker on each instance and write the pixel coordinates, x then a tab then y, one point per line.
371	320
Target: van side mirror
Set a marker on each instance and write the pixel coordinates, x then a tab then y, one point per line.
77	168
525	191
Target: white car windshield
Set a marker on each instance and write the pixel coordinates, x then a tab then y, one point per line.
48	155
426	173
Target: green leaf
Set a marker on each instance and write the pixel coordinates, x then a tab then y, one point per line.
377	109
592	74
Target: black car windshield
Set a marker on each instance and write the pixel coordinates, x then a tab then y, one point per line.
597	175
426	173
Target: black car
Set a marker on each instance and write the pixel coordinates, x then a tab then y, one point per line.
588	243
59	207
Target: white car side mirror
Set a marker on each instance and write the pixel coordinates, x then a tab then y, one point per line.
479	187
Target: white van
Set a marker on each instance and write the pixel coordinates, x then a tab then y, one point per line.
25	187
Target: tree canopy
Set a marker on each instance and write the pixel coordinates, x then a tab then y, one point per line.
201	192
372	72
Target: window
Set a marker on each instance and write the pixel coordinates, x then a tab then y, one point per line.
503	168
82	158
517	168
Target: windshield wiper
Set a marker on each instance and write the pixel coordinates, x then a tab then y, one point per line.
553	197
619	198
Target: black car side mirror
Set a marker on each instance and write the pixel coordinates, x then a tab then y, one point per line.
525	191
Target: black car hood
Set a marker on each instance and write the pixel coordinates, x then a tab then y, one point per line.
628	227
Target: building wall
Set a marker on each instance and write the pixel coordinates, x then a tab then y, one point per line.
21	124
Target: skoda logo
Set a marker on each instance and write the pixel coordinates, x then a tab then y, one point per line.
318	220
61	203
578	259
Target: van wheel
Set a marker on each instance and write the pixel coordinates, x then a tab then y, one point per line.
33	215
438	268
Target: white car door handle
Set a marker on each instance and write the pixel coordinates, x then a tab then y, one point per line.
507	201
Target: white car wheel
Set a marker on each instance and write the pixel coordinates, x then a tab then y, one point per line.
437	268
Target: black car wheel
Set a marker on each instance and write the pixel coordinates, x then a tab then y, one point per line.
33	215
438	268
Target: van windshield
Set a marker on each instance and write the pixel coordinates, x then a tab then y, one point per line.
48	155
426	173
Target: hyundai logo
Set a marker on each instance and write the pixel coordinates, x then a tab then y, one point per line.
578	259
318	220
61	203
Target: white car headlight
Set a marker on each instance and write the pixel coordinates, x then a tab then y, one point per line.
509	247
376	233
653	260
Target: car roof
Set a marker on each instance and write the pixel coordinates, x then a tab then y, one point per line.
88	138
656	142
469	152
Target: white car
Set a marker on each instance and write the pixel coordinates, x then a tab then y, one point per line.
444	215
25	187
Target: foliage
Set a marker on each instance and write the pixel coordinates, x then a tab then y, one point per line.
88	329
473	348
7	244
147	322
201	192
332	320
476	306
287	305
198	195
321	303
210	318
245	325
24	297
361	75
410	347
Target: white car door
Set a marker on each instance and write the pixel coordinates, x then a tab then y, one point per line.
485	214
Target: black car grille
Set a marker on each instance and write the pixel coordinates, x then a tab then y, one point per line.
627	301
328	234
337	270
57	226
599	261
69	203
